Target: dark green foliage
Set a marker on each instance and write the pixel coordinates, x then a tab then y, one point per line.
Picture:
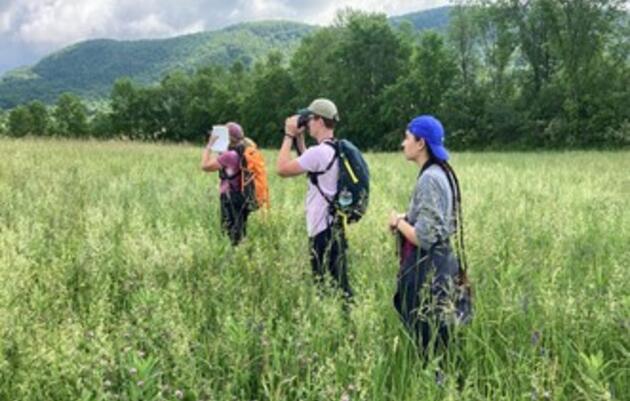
369	57
70	117
269	101
507	75
542	73
422	89
39	118
204	93
125	107
101	124
20	122
586	75
31	119
312	64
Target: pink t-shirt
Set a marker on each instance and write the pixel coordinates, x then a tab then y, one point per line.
230	161
314	159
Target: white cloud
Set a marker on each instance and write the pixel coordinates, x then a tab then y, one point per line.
64	21
7	13
391	7
57	23
5	23
150	25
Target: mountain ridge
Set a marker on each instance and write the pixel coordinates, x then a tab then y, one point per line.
89	68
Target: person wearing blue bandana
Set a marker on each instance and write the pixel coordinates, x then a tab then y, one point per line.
433	292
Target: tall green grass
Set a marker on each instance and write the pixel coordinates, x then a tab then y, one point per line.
116	284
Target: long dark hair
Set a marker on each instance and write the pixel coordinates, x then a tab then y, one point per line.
453	183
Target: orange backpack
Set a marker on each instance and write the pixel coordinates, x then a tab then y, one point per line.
253	176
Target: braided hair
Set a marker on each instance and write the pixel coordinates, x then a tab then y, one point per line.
453	183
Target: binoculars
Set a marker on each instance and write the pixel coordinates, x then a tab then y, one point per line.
303	117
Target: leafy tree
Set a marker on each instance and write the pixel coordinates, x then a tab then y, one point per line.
462	34
166	116
227	98
421	90
536	22
313	64
200	114
124	104
101	124
39	118
554	72
498	40
582	31
269	101
368	58
20	122
70	116
215	95
465	103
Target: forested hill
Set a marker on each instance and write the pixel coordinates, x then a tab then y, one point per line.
435	18
90	68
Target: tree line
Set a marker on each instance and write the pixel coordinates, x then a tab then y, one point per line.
508	74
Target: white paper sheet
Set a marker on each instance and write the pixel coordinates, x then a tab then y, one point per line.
221	144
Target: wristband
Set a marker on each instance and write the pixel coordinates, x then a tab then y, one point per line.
290	136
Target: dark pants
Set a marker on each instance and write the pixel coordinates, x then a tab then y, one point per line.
426	285
328	253
234	216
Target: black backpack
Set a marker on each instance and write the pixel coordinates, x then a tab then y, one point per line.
353	184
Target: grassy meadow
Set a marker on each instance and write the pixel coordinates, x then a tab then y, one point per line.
116	284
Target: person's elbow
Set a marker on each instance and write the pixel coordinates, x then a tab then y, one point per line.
282	170
288	169
210	167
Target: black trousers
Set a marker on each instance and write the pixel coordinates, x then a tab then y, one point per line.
234	216
328	254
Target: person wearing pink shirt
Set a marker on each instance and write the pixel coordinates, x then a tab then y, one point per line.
234	212
327	239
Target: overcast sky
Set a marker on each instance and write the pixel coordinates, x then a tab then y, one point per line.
32	28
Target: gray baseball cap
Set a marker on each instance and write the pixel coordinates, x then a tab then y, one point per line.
323	107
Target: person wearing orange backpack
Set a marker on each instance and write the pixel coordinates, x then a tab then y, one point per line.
234	204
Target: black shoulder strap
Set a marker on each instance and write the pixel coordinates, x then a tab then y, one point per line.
313	176
335	145
240	151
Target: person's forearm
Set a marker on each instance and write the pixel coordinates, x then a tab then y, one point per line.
284	156
206	158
